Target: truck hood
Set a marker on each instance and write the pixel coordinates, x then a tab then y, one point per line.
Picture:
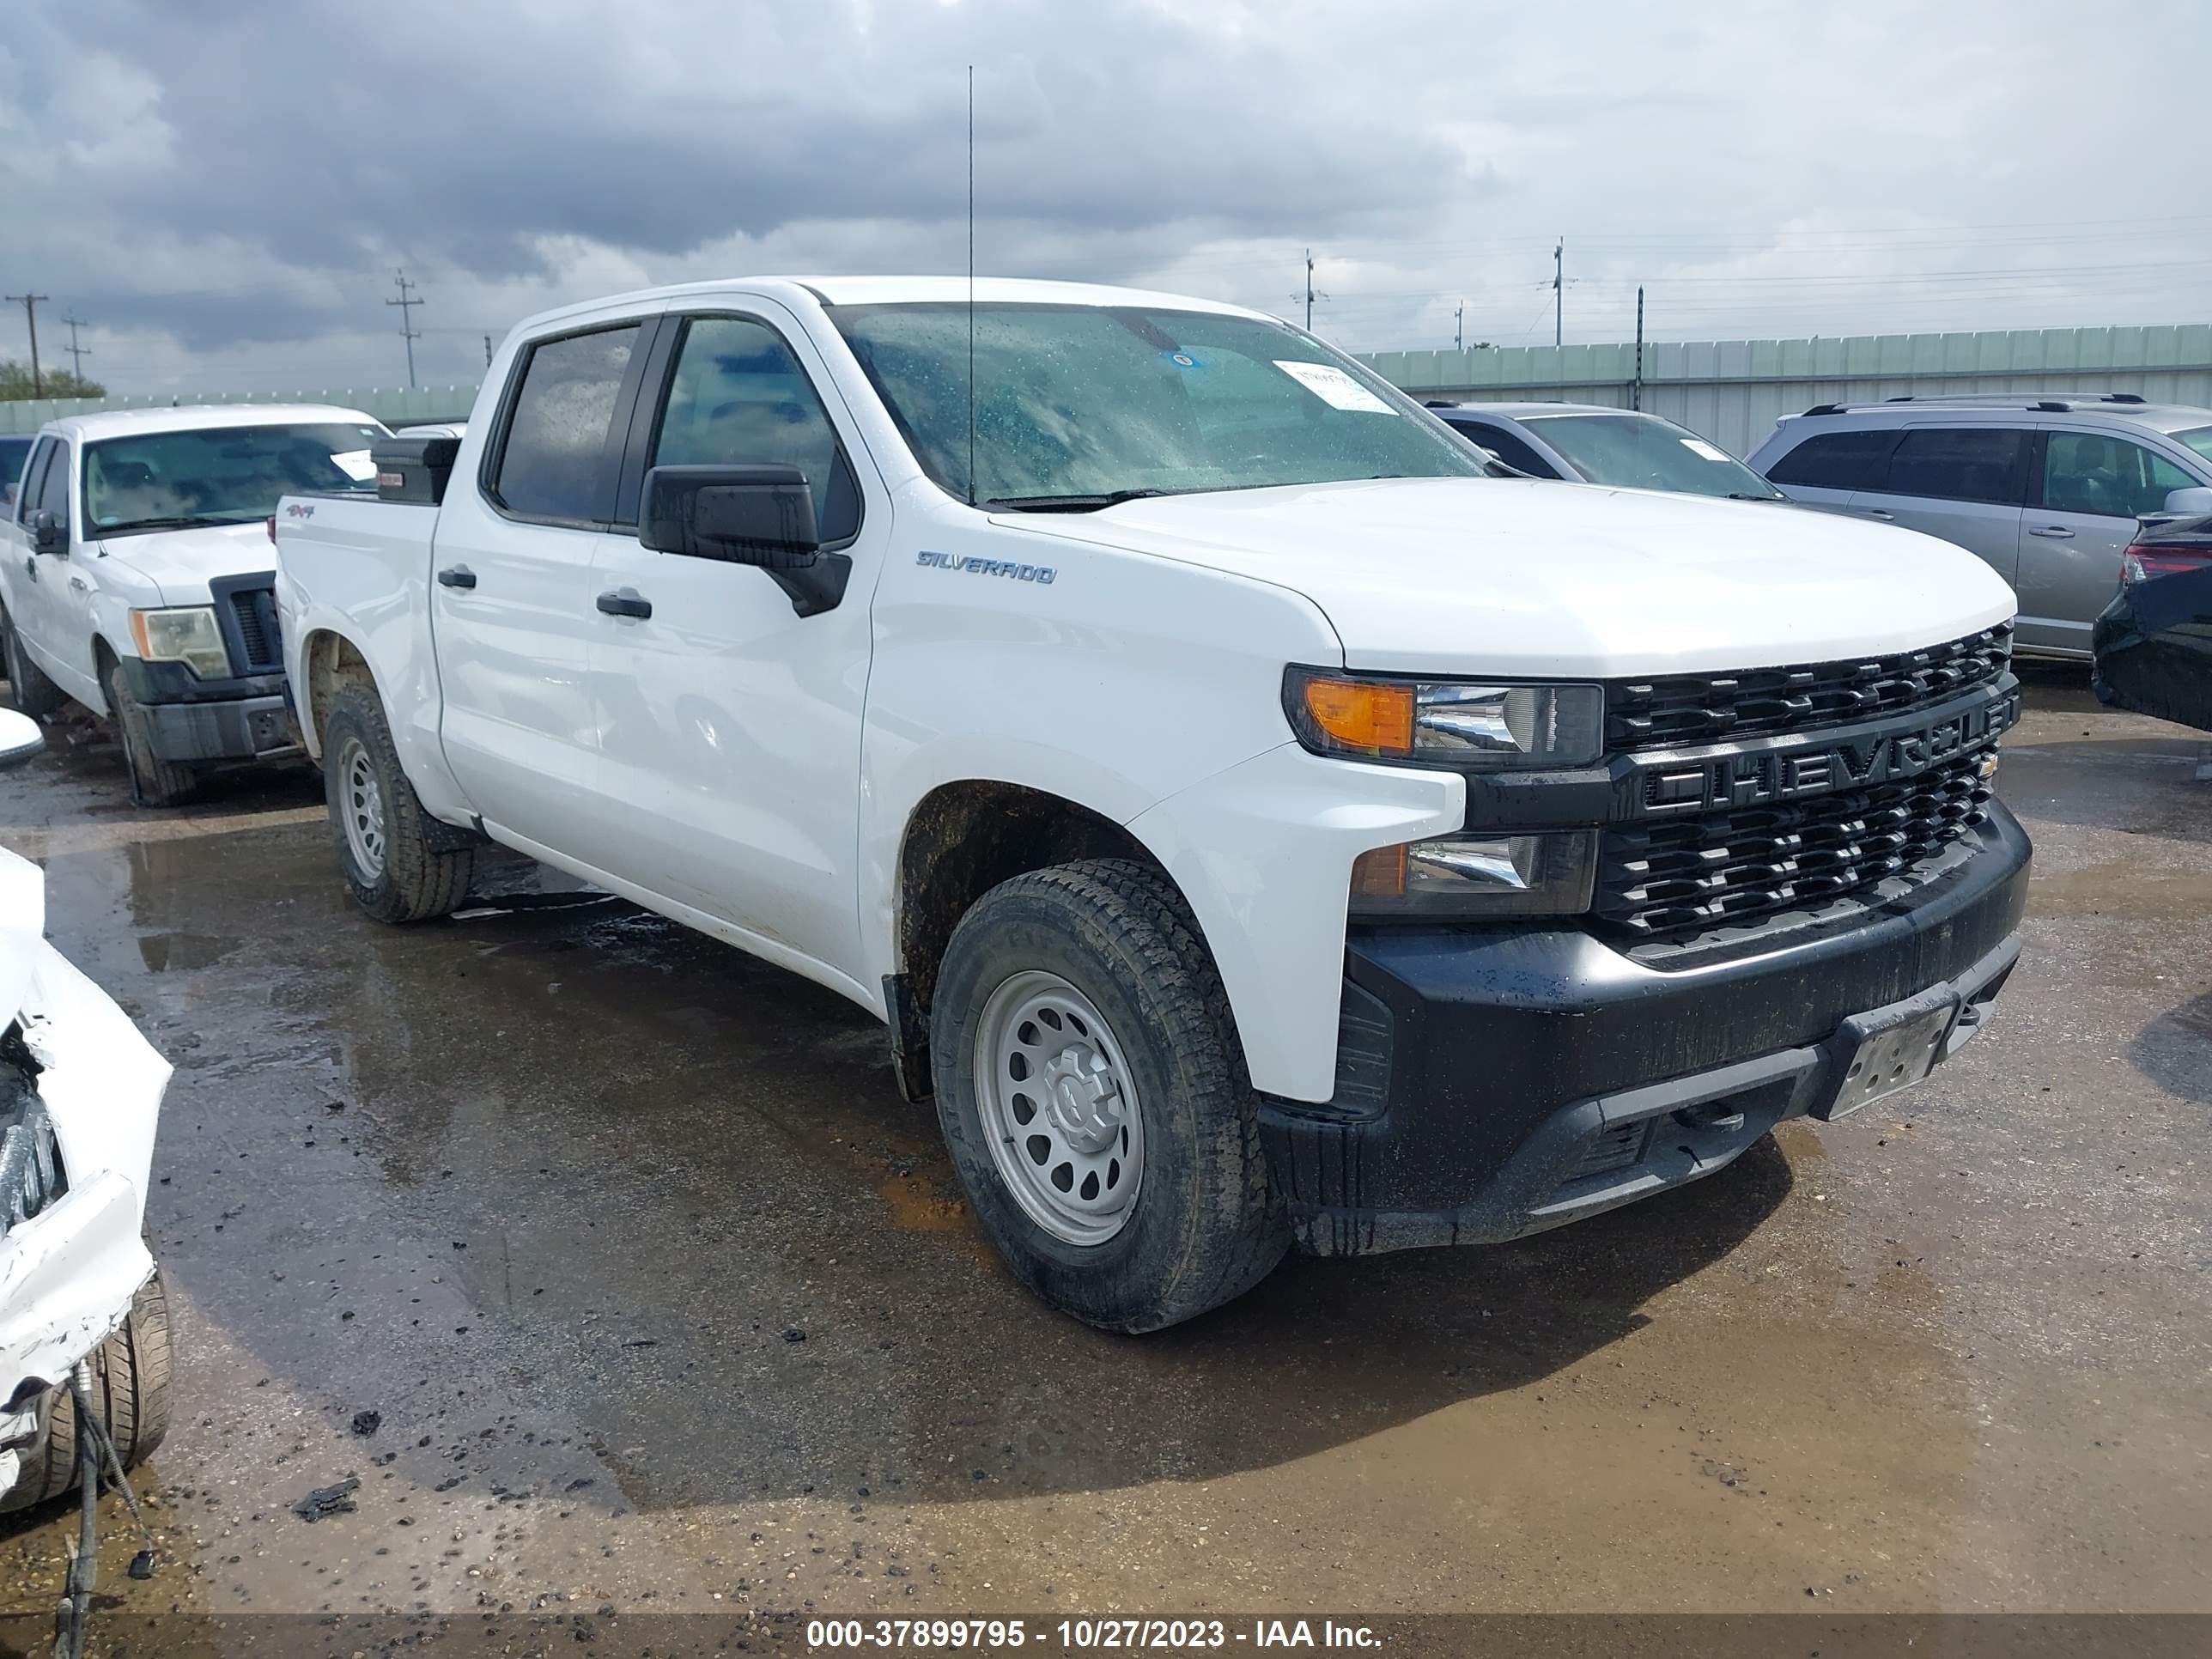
1498	576
177	564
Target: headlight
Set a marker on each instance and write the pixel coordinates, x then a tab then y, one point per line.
187	634
1470	876
1479	726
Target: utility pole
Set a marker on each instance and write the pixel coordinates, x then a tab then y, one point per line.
407	329
1458	327
77	353
1309	296
1636	399
1559	292
487	351
30	303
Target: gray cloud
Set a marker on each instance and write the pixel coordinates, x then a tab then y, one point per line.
226	187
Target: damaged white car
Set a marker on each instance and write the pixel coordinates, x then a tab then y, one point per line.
80	1095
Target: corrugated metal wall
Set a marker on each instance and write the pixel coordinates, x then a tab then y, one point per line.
1733	391
393	406
1729	390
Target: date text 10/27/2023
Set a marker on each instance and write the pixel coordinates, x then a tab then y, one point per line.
1086	1635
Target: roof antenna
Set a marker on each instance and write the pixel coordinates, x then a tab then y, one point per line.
972	285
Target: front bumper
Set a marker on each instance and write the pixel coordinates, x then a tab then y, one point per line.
189	719
1497	1083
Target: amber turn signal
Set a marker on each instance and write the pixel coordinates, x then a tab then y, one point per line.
1377	717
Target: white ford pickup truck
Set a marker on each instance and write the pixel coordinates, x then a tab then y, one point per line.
136	576
1256	823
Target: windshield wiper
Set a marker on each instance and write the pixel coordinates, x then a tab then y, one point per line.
1071	503
175	522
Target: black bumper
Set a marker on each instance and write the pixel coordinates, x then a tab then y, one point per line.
192	719
1498	1083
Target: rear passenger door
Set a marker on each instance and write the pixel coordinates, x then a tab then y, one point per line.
2087	489
512	583
1962	481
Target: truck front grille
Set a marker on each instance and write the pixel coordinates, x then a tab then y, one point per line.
253	610
1739	863
1683	710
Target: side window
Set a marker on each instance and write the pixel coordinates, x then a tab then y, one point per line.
556	462
1959	464
53	488
27	493
1838	460
1507	447
739	397
2090	472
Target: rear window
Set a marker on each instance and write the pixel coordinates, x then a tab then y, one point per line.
555	461
1959	464
1838	460
14	452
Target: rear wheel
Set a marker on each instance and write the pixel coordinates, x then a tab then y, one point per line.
1092	1092
400	864
155	781
129	1396
28	688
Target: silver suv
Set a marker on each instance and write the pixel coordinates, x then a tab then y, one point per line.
2047	490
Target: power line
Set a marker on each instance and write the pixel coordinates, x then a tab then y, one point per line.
407	330
77	353
30	303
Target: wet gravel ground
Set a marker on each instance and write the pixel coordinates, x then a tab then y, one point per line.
665	1303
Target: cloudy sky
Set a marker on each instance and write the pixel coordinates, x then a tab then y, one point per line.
222	189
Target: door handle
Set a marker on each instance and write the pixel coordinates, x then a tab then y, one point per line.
456	575
1878	512
625	602
31	566
2056	532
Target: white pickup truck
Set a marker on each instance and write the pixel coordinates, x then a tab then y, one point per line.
1256	823
136	574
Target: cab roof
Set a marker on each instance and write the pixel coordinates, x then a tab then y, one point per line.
195	417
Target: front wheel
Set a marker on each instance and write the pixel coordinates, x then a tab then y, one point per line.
155	781
1093	1096
129	1396
399	862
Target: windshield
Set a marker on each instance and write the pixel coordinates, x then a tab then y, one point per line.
219	475
1642	452
2198	438
1078	405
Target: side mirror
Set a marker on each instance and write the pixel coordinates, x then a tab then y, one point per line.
757	515
761	516
46	535
19	738
2195	502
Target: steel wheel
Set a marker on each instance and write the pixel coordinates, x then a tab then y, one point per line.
1058	1108
363	797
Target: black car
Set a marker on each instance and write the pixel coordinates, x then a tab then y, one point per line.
2153	641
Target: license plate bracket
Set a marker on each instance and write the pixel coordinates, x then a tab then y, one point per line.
1886	1049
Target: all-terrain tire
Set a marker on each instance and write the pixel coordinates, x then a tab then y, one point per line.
1206	1223
153	781
129	1395
425	865
28	688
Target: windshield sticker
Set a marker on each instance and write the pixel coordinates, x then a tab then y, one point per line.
1334	387
355	464
1183	360
1699	447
